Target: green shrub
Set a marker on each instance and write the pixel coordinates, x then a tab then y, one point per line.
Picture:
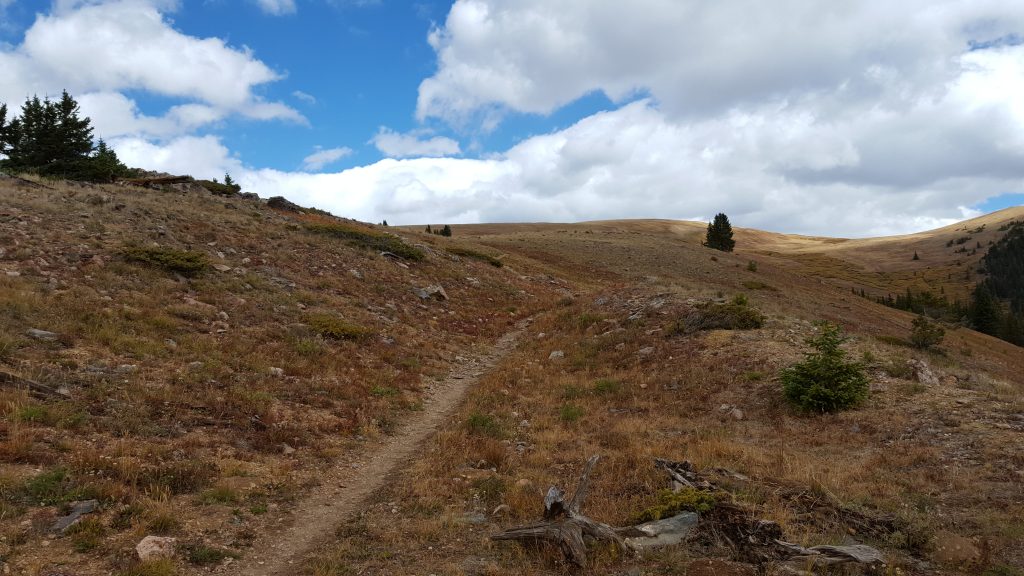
50	487
184	262
335	328
220	189
607	387
86	534
735	315
926	333
752	266
824	381
483	425
219	495
671	503
474	254
370	239
570	413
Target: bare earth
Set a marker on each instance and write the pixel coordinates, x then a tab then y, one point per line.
346	487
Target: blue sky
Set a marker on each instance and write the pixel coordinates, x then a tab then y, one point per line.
846	120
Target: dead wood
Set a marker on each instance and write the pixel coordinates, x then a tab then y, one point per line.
564	525
43	391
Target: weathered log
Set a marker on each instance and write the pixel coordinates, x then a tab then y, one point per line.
36	389
564	525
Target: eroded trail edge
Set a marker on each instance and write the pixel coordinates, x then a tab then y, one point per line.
344	488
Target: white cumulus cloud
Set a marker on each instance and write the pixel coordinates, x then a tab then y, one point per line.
317	160
396	145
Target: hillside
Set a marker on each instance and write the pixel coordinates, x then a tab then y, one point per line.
299	402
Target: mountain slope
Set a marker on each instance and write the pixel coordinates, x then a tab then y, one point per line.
216	407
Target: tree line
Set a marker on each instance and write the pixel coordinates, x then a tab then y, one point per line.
50	138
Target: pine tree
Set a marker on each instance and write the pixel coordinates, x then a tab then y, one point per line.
985	313
446	231
52	139
5	131
916	257
719	235
429	231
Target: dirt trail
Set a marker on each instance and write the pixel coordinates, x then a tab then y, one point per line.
345	488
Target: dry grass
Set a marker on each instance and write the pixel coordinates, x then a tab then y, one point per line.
178	424
167	348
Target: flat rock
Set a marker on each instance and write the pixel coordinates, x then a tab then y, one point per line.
78	509
664	532
555	355
42	335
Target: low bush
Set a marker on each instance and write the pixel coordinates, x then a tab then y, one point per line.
184	262
483	425
926	333
335	328
824	381
474	254
735	315
366	238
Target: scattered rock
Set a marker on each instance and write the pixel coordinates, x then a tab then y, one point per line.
474	518
356	274
287	450
42	335
433	291
171	343
154	547
472	281
665	532
646	351
524	483
923	373
555	355
222	267
736	413
126	368
276	372
280	203
78	509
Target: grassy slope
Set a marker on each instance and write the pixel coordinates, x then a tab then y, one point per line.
175	419
940	459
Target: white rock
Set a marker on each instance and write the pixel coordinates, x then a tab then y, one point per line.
153	547
556	355
276	372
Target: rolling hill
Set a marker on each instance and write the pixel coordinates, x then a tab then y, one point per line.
281	391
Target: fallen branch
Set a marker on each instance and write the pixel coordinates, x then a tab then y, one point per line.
10	381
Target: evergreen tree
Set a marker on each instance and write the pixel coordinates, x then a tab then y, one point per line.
825	381
5	131
916	257
429	231
446	231
719	235
227	180
985	312
52	139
